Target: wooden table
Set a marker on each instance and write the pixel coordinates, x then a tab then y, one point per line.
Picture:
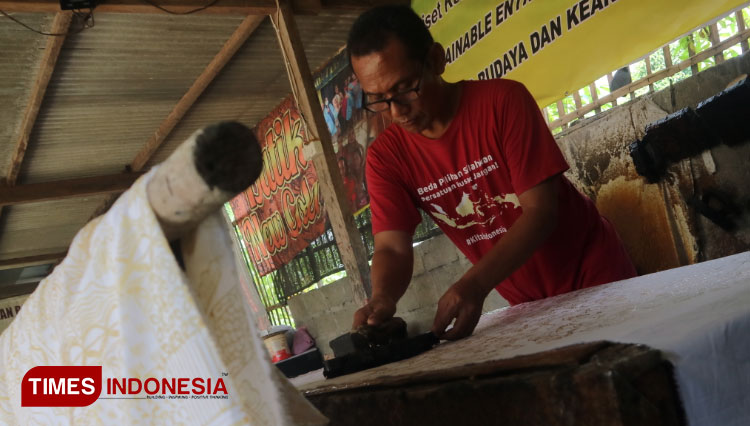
696	316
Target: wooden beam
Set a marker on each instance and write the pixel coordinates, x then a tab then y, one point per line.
348	239
609	82
40	259
238	38
740	19
235	41
58	190
594	96
649	71
355	5
560	113
60	25
691	54
713	36
577	100
14	290
222	7
667	56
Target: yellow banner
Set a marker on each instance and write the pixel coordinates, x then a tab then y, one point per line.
556	46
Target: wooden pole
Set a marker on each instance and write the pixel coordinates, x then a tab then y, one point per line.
60	25
740	29
649	71
348	239
594	96
713	35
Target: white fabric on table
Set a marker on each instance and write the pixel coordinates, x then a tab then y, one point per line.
698	315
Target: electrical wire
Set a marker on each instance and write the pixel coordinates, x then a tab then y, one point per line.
171	12
86	19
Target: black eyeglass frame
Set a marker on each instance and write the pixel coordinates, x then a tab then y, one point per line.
395	97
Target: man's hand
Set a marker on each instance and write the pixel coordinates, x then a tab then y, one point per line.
391	270
377	310
463	302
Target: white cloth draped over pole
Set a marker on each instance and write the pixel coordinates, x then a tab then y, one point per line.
120	300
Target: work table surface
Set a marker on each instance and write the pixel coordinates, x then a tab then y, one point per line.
698	315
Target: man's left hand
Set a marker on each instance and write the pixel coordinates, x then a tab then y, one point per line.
463	302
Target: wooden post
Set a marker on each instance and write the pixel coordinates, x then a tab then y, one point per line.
667	57
60	25
595	97
579	104
609	82
740	29
691	52
648	73
713	35
320	150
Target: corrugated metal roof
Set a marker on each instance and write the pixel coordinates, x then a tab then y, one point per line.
255	80
113	86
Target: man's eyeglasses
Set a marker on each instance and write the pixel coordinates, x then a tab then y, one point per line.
402	98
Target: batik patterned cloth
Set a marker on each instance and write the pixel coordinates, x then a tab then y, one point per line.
120	300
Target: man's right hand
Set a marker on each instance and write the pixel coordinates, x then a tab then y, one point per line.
376	311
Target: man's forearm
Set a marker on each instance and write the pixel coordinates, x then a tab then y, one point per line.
391	273
517	245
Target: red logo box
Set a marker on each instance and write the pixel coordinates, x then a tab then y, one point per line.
61	386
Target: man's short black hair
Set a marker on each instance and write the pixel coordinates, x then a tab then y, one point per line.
372	29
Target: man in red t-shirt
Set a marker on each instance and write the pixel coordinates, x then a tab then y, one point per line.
479	158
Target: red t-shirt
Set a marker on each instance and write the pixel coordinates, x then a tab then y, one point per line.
497	147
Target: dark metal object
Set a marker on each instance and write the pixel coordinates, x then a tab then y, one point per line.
719	119
373	356
599	383
680	135
648	160
369	336
727	112
300	364
78	4
348	343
